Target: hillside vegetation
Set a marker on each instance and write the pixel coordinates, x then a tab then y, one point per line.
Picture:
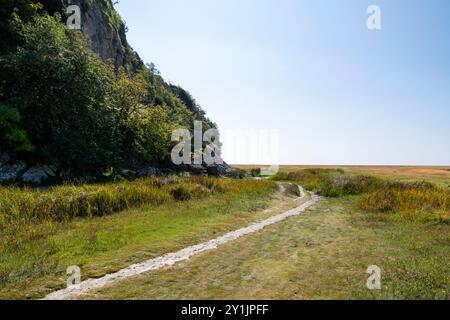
60	104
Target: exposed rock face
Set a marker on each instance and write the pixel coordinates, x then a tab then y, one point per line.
39	174
219	170
106	35
105	32
10	172
148	172
216	170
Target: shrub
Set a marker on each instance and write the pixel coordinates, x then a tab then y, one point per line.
255	172
11	136
237	174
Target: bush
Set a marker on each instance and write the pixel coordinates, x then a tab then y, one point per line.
11	136
255	172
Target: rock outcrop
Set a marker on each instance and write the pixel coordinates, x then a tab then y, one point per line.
11	172
39	174
106	32
106	35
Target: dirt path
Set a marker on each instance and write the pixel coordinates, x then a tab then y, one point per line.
171	258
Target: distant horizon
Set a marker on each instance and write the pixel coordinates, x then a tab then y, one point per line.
336	91
343	165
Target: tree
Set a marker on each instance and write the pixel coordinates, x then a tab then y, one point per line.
26	10
62	91
11	135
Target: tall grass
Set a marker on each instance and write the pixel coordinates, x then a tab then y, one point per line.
62	203
413	201
38	239
332	183
422	201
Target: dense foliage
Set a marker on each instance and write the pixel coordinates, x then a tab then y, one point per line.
61	104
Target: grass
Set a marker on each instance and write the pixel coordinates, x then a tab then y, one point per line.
400	226
421	201
439	175
414	201
332	183
322	254
35	252
62	203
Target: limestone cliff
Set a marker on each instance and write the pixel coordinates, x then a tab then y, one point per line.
106	32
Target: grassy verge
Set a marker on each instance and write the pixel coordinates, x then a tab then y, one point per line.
322	254
36	249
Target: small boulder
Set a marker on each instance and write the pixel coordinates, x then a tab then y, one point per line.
11	172
39	174
127	173
196	169
220	170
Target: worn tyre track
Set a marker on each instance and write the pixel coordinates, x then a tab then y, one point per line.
171	258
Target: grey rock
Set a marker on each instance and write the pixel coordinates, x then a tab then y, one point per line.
196	169
104	35
148	172
127	172
220	170
11	172
39	174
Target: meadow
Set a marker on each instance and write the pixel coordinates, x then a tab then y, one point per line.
411	200
397	222
105	227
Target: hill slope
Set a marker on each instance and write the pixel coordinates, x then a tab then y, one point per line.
81	103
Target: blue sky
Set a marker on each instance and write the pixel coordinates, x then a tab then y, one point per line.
337	92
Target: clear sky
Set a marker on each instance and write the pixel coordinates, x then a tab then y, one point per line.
337	92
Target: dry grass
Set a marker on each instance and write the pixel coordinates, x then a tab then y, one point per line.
63	203
322	254
418	201
437	174
34	253
421	201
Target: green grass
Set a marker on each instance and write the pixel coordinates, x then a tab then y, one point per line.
401	227
332	183
36	252
321	254
62	203
421	201
412	201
